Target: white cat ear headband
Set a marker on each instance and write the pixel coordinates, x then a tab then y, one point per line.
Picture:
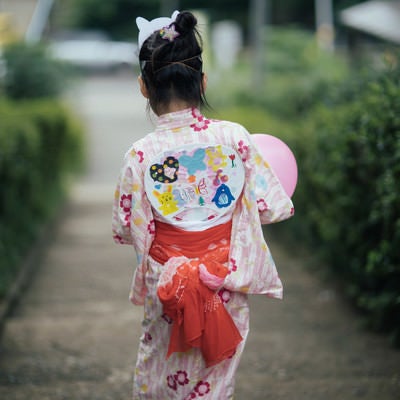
147	28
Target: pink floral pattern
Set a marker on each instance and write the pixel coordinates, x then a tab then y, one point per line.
171	382
181	377
196	113
147	337
262	205
225	295
202	123
118	239
243	150
233	265
128	220
126	202
151	228
141	156
202	388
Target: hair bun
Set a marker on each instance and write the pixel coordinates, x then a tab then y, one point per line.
185	22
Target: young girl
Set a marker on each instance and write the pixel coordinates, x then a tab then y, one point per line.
191	198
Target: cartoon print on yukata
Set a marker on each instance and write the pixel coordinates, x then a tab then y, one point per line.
216	158
167	172
223	197
195	162
219	177
203	181
232	158
168	204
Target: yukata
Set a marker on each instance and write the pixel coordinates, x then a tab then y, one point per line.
184	375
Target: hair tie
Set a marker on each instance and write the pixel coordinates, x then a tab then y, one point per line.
143	64
147	28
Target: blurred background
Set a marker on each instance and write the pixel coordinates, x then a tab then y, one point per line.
322	75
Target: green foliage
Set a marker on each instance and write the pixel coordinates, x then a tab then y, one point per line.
116	17
349	195
30	72
298	75
344	129
40	144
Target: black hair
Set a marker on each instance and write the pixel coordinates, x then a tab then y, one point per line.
172	70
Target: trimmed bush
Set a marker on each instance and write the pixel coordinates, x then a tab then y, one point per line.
30	73
349	195
40	145
297	76
345	134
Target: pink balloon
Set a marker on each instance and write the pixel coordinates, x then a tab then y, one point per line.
280	158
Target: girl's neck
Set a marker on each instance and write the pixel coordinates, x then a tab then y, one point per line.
173	106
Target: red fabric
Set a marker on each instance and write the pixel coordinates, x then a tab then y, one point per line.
199	316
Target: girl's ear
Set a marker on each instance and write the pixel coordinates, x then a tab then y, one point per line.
143	88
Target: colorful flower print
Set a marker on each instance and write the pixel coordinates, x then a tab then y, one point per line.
141	156
118	239
225	295
233	265
127	220
126	202
262	205
243	150
171	382
232	158
202	388
196	113
151	228
147	337
181	377
138	154
202	123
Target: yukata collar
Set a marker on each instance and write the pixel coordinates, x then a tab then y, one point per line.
178	119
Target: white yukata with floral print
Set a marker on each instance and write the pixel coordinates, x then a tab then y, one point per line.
183	376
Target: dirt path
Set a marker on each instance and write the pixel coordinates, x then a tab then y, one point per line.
74	334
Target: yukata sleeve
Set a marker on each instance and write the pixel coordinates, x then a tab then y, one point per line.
132	221
127	197
273	203
122	206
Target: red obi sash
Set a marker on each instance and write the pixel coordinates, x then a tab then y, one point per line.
194	270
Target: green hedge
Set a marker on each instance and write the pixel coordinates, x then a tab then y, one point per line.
29	72
40	145
349	195
347	145
297	76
